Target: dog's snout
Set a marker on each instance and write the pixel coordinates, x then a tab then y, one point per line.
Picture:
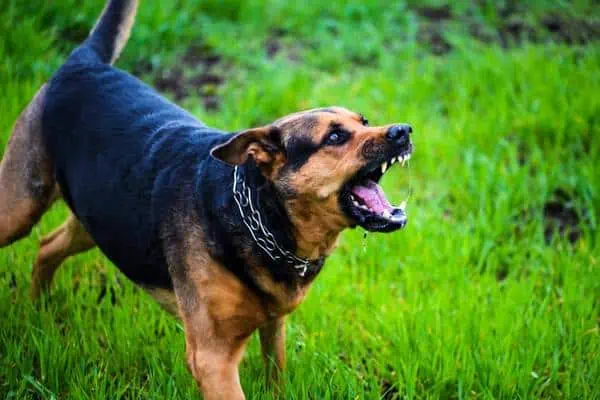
398	134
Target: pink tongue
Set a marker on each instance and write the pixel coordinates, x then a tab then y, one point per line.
372	196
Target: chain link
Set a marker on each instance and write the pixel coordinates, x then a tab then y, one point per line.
261	235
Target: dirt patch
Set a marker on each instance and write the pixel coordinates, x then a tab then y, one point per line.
278	44
513	29
521	147
200	72
434	13
12	281
109	289
273	44
432	35
432	26
558	27
502	272
389	391
560	217
572	30
516	30
74	33
273	47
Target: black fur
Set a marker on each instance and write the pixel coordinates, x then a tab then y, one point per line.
127	160
106	32
299	150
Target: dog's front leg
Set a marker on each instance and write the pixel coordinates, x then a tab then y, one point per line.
213	358
272	342
219	314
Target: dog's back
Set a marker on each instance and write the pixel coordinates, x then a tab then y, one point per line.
120	152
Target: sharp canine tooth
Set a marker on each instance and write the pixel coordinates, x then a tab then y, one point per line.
393	160
402	205
384	167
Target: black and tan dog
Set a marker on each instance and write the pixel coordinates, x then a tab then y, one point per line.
225	231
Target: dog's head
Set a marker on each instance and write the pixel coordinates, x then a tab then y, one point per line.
327	159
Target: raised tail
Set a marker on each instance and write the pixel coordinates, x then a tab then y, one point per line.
110	34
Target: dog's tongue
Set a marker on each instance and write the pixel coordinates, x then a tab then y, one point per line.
372	196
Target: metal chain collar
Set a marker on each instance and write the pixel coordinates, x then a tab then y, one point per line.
261	235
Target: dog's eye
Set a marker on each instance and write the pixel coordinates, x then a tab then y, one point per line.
336	138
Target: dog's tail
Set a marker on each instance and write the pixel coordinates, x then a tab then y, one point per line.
109	35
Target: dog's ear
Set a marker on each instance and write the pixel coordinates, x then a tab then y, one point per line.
262	144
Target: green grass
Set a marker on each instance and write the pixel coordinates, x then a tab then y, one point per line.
471	300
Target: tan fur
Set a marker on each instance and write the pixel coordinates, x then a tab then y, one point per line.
27	186
219	314
316	225
314	207
330	167
314	210
284	298
69	239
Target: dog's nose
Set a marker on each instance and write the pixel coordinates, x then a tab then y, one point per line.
398	134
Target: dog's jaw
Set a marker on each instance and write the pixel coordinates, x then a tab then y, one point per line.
365	202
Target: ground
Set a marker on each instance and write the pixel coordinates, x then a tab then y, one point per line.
493	289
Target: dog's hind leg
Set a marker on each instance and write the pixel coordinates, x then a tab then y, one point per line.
69	239
27	184
272	343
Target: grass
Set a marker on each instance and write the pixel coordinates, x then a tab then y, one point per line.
476	298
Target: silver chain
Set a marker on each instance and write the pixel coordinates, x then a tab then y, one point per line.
261	235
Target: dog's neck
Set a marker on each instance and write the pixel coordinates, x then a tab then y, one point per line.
267	220
307	227
316	228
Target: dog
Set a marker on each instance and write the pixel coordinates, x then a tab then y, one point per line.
226	231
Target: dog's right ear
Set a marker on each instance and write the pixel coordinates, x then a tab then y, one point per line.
262	144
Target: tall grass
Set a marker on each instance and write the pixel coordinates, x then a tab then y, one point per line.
474	299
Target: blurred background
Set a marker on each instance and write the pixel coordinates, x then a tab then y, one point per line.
492	290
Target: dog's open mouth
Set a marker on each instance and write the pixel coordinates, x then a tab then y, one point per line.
365	202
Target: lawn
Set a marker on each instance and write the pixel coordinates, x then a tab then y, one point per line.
493	289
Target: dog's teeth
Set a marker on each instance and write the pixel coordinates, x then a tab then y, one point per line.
402	205
393	160
403	161
408	156
384	167
386	214
355	203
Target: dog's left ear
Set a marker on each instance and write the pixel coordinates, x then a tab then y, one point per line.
262	144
